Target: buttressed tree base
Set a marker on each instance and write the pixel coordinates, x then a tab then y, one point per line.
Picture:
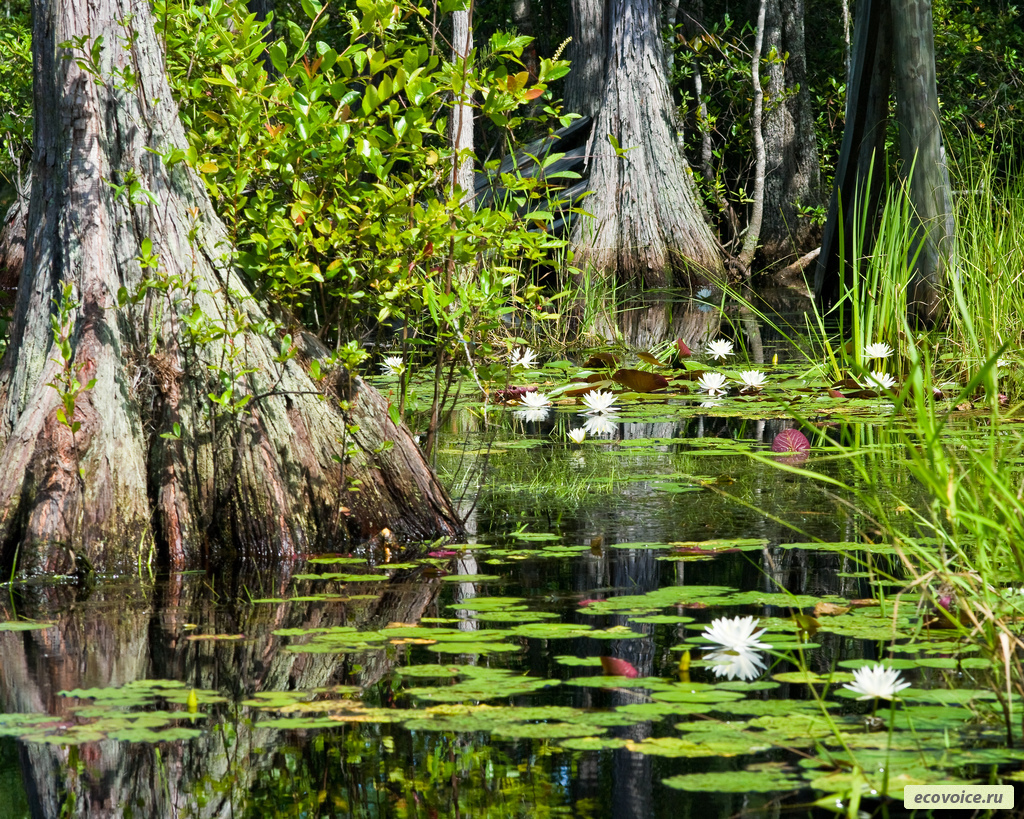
146	398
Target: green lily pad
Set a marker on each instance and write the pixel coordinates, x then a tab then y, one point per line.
749	781
760	708
704	745
490	604
468	647
658	710
551	631
657	599
593	743
806	677
578	662
546	730
497	687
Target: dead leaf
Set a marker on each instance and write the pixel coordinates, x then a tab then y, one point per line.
601	360
640	381
830	609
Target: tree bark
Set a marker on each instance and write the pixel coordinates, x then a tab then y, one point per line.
924	159
264	479
860	172
646	227
794	172
461	125
12	252
522	17
587	51
753	233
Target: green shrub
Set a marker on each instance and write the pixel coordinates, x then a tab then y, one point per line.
334	174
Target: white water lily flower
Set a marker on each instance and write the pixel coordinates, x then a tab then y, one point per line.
523	357
719	349
599	401
534	414
736	634
878	681
534	400
878	350
600	424
744	664
753	379
704	293
392	365
880	381
577	435
711	404
714	383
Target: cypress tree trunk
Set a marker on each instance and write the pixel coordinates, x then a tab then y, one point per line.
862	156
587	51
794	173
264	478
917	110
646	227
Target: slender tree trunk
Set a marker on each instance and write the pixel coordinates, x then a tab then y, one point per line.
462	114
794	172
753	233
153	457
646	226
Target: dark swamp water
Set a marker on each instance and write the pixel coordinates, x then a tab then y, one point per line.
464	680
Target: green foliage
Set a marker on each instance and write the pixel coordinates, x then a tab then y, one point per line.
334	173
15	102
67	383
720	117
990	215
980	72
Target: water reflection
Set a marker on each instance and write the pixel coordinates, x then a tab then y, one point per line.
682	484
597	426
532	415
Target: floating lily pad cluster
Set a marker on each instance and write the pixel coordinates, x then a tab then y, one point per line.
514	662
141	711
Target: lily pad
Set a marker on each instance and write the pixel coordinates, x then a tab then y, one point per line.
749	781
546	730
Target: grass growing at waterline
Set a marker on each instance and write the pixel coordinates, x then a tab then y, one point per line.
989	314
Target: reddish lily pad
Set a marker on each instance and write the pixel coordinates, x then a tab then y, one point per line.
601	360
791	440
614	667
